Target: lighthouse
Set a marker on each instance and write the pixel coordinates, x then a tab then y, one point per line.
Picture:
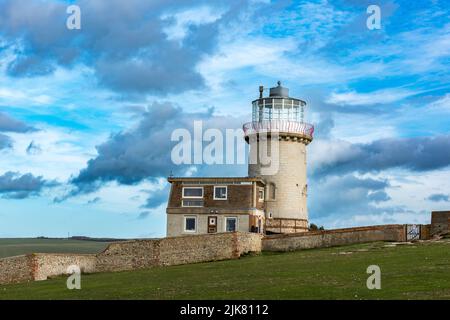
278	126
272	198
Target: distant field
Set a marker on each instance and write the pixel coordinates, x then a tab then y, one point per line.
408	271
15	247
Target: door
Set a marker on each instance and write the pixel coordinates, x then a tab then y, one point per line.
212	224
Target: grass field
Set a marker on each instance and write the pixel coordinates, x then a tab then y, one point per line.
15	247
414	271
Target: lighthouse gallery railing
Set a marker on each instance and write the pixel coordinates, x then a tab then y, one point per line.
280	126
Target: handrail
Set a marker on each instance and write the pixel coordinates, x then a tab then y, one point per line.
279	126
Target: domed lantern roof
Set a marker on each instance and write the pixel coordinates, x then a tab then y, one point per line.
279	91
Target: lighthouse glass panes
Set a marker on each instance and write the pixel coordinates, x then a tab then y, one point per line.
267	109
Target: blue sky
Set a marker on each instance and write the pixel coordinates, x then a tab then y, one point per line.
86	115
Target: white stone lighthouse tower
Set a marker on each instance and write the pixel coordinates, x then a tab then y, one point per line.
285	196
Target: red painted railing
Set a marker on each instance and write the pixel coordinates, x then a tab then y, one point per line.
280	126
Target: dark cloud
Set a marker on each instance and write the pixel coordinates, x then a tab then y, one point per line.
124	41
13	185
437	197
346	195
379	196
9	124
323	128
144	152
33	148
94	201
416	154
337	190
5	142
29	66
157	198
144	214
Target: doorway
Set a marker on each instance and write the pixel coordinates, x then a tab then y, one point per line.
212	224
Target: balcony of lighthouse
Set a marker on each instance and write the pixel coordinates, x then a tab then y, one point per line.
283	115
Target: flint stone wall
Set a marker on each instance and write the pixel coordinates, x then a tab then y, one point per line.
131	255
16	269
337	237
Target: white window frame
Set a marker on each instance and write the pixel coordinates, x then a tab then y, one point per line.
226	193
184	224
263	194
236	224
193	197
187	199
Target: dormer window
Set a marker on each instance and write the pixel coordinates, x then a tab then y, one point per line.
192	197
193	192
220	193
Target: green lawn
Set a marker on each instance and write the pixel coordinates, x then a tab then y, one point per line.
15	247
415	271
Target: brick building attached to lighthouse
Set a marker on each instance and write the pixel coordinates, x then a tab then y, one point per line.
273	198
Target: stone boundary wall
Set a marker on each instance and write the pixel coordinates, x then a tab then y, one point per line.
440	222
16	269
128	255
40	266
138	254
337	237
131	255
54	264
171	251
425	231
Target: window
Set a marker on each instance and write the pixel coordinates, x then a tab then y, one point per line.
305	190
261	194
190	224
192	203
273	191
220	193
230	224
193	192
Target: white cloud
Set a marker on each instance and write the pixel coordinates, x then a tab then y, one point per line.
442	104
29	97
353	98
119	199
324	152
62	153
194	16
242	54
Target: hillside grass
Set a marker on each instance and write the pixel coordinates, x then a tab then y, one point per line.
18	246
408	271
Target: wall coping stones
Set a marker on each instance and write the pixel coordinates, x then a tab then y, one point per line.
333	231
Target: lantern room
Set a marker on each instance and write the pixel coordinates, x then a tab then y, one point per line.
278	106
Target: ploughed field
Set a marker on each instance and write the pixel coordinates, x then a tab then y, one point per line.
18	246
408	271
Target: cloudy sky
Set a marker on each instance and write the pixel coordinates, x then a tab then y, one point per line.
86	115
